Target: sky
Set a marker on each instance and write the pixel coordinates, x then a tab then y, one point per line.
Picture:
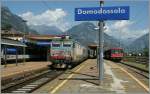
61	14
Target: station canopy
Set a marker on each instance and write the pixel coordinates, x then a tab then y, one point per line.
12	42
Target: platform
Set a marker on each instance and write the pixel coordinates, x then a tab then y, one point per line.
12	69
84	80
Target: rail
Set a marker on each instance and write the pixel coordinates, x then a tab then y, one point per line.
137	59
144	73
36	81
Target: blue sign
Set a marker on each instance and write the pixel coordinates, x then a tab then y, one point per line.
43	43
102	13
11	50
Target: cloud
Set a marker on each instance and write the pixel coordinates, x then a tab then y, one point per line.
121	24
49	18
107	29
122	30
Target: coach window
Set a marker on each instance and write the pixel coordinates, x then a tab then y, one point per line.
20	50
121	51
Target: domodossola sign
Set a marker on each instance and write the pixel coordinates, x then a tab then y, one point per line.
102	13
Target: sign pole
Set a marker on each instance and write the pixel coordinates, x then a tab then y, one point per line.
101	41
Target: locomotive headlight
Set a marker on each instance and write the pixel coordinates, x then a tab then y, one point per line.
67	37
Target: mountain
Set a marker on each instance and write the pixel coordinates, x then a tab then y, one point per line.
44	30
11	21
140	43
127	41
87	35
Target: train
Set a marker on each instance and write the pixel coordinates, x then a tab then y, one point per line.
66	53
63	52
115	54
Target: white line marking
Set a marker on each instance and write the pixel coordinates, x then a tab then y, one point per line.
70	76
134	78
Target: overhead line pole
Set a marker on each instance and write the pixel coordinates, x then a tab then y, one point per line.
24	49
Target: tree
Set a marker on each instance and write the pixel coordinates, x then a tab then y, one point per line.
7	27
146	52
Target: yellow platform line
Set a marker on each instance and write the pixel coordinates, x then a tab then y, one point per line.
70	76
134	78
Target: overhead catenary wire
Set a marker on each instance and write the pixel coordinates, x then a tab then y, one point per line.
45	4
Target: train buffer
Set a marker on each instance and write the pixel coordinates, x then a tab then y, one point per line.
83	79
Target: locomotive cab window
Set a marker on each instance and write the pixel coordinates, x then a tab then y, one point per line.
117	51
66	45
55	45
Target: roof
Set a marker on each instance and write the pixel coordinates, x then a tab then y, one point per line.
44	37
92	46
12	42
116	48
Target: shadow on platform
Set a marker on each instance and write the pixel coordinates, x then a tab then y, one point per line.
70	72
91	79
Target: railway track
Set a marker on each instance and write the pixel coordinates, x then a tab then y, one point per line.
29	84
139	71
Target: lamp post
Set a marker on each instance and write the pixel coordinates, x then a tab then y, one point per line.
100	47
100	61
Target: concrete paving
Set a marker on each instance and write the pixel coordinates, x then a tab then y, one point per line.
12	69
84	80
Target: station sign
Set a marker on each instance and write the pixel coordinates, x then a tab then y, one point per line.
102	13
